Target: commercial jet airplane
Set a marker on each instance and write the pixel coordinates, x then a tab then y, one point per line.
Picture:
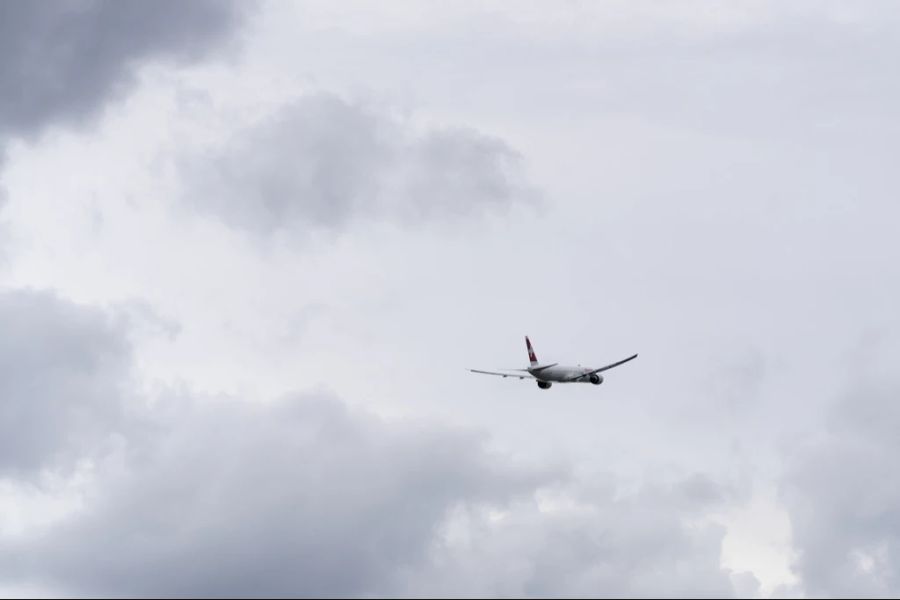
547	375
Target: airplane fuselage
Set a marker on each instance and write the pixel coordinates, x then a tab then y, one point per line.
565	374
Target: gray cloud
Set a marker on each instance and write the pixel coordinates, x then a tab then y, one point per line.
60	61
322	162
602	542
304	496
843	496
297	497
64	371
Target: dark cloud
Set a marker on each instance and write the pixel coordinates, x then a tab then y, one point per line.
322	162
843	496
60	61
300	497
64	373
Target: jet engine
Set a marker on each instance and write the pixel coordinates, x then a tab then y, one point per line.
596	379
544	385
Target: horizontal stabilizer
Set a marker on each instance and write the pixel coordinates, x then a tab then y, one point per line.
499	374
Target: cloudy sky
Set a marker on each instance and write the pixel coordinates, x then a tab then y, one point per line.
248	251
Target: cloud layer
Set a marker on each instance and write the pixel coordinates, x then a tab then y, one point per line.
721	198
304	496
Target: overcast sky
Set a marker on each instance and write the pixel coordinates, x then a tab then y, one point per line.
248	252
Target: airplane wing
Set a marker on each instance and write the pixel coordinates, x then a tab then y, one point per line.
524	375
615	364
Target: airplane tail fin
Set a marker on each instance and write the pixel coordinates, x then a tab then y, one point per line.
531	356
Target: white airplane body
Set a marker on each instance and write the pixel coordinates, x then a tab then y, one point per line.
547	375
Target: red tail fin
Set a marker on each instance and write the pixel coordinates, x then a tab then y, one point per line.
531	356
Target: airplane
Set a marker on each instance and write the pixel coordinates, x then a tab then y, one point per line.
547	375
